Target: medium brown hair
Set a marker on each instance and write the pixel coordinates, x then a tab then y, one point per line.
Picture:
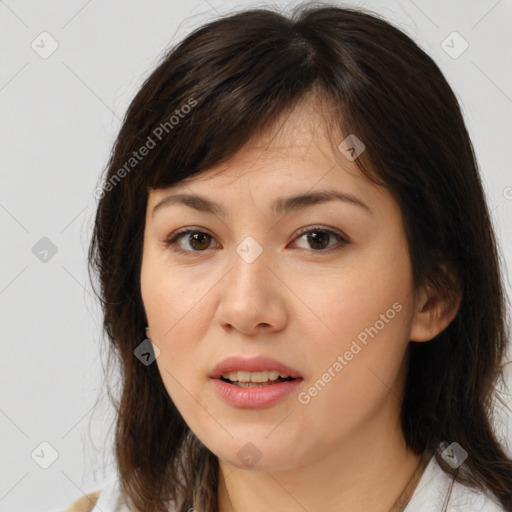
238	74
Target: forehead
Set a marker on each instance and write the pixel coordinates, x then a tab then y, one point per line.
300	147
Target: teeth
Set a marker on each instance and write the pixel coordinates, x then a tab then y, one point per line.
243	376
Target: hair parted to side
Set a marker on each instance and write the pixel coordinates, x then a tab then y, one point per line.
237	75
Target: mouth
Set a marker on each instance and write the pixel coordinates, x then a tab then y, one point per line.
255	382
257	369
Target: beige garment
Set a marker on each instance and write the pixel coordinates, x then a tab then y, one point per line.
85	503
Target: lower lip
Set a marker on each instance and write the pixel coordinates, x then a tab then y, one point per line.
257	396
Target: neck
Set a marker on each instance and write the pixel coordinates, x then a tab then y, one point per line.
369	471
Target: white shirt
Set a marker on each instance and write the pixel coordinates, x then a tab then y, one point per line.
433	490
430	494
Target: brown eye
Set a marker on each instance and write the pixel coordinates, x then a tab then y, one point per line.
199	241
189	241
320	239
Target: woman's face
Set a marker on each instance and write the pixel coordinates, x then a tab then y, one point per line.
323	288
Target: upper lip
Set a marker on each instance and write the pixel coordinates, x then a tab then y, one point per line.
252	364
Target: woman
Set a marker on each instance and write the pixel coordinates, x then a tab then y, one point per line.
300	278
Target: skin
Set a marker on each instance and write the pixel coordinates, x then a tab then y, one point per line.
344	449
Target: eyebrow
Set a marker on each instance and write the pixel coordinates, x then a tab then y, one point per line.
280	206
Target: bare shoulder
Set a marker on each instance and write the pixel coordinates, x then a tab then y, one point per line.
85	503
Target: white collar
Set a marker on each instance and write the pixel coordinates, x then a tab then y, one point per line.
435	488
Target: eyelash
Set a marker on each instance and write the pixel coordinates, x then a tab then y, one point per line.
174	237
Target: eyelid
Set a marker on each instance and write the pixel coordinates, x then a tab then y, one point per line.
326	229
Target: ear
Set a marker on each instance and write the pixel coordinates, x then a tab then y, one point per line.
148	333
434	311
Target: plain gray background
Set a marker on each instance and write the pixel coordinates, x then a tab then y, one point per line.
59	116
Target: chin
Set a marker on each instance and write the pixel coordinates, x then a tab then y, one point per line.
256	453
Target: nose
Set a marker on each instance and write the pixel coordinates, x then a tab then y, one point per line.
253	299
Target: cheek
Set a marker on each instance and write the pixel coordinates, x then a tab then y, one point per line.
171	297
367	308
177	333
169	313
353	377
350	299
